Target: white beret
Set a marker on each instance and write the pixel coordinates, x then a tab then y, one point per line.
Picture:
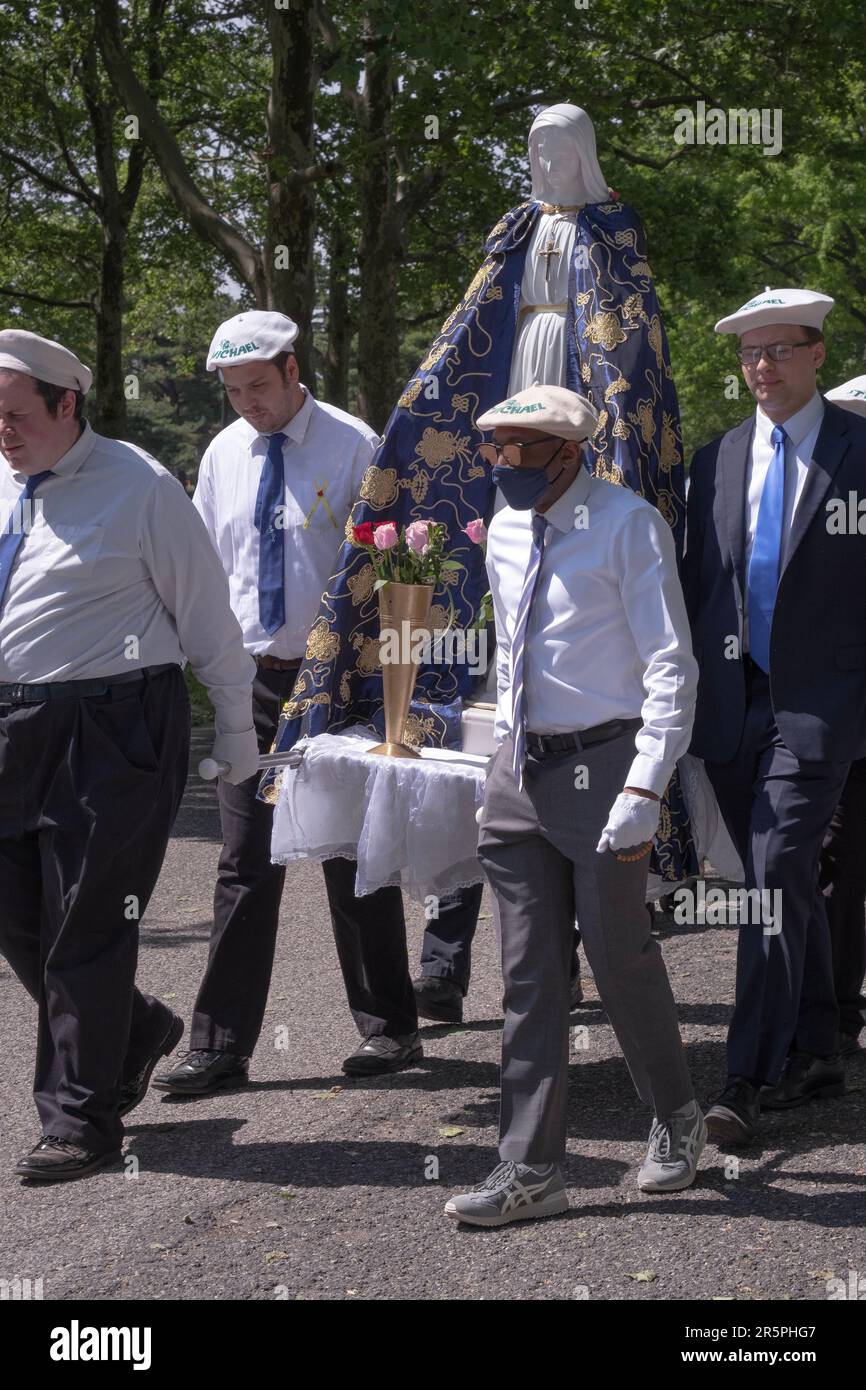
256	335
851	394
804	307
549	409
21	351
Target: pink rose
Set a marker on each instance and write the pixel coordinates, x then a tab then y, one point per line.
418	537
476	531
385	536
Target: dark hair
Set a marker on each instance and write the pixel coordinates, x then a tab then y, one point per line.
53	395
280	361
813	335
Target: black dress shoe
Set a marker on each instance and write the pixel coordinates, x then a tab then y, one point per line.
805	1078
733	1118
202	1072
61	1160
438	998
380	1054
133	1091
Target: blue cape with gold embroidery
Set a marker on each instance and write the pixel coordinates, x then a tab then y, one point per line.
427	467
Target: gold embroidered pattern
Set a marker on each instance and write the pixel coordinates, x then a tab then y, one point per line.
585	371
361	585
412	392
497	230
345	688
645	420
436	353
602	421
665	504
655	339
368	654
294	708
614	389
669	454
436	447
461	404
379	486
419	485
620	431
322	645
607	470
604	329
416	729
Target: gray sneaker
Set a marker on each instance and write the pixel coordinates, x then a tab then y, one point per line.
513	1192
675	1147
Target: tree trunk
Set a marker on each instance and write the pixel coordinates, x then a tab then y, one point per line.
336	366
109	416
379	250
291	224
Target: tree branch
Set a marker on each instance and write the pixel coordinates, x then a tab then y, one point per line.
11	293
204	219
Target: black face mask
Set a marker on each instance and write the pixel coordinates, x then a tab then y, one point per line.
523	487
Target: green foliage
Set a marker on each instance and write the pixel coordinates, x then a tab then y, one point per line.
722	220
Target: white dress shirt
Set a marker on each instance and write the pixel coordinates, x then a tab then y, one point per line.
608	636
326	450
802	430
118	573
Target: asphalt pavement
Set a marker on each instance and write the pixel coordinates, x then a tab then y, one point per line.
310	1185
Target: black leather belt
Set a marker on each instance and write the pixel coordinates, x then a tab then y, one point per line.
276	663
555	745
65	690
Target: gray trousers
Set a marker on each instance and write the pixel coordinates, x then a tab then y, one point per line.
538	849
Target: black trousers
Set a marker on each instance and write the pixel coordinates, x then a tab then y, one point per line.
777	810
234	992
842	879
89	789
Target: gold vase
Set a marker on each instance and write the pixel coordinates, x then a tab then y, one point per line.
404	609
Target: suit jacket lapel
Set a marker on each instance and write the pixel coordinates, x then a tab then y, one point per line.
732	471
831	447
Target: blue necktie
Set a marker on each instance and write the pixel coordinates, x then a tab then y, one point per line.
11	539
518	647
272	584
763	578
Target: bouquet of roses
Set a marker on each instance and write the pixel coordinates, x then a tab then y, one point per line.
413	555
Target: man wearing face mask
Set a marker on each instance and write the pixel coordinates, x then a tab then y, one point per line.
596	690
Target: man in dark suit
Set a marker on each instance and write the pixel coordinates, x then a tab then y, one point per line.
774	587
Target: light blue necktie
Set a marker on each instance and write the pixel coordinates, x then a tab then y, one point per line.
763	578
11	539
272	538
518	647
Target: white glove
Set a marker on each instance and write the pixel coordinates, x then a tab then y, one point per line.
241	751
632	821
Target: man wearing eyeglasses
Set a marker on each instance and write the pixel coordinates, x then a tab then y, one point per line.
777	603
596	689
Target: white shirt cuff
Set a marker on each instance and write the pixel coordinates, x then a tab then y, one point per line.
649	774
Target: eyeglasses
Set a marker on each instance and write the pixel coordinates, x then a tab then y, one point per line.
513	453
776	352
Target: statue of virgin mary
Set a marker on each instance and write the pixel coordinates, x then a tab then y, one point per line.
564	296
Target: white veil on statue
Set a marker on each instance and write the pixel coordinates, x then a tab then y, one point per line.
590	185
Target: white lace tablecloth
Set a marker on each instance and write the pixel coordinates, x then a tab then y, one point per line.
413	821
408	821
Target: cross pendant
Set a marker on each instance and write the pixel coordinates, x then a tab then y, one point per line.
551	249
